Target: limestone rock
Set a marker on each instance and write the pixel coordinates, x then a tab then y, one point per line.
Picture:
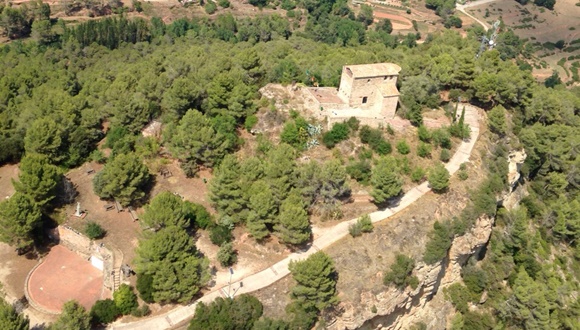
515	160
399	309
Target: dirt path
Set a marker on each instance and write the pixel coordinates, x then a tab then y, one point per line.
462	8
398	22
331	235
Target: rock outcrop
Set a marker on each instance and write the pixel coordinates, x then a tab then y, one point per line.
515	160
394	309
515	193
399	309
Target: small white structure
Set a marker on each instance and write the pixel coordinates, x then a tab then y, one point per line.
78	213
98	263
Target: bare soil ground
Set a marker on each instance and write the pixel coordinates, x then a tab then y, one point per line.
63	276
539	25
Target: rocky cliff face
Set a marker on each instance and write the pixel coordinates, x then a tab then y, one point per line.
396	309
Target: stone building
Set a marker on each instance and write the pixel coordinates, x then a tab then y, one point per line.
367	92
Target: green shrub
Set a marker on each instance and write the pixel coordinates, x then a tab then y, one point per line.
250	122
144	286
198	215
424	150
390	129
403	148
224	3
210	7
141	311
400	273
355	230
442	138
115	134
474	278
462	175
418	174
405	166
295	133
362	225
438	178
370	135
98	156
226	255
445	155
366	223
463	166
94	231
220	235
238	313
439	243
338	133
360	171
125	299
424	134
383	148
104	311
459	296
353	124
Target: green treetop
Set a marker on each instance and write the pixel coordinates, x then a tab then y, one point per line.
386	181
125	179
73	317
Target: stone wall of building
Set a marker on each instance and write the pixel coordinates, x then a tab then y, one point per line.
389	106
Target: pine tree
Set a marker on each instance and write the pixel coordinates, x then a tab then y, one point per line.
10	319
165	209
497	120
73	317
279	170
44	137
315	279
225	191
438	178
125	179
38	178
263	210
19	217
170	258
196	141
385	180
293	226
529	304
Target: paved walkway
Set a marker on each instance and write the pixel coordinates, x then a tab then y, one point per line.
331	235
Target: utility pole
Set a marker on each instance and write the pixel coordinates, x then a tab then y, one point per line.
230	281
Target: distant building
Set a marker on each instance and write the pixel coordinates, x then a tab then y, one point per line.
367	92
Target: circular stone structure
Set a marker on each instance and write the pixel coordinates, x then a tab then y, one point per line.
64	276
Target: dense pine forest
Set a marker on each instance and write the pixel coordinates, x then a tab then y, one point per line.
201	79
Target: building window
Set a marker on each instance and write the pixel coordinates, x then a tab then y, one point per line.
365	99
386	78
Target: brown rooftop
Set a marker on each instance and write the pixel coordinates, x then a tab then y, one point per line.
374	70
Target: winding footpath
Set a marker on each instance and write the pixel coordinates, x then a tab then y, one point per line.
462	8
331	235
